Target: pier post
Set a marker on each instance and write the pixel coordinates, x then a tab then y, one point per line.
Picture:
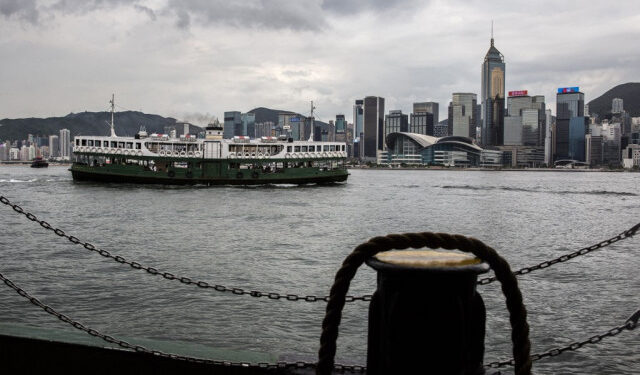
426	316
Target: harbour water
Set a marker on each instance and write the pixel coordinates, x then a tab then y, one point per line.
290	239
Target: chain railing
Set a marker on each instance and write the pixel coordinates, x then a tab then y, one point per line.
566	257
630	324
141	349
290	296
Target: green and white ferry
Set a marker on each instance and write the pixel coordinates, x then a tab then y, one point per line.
212	160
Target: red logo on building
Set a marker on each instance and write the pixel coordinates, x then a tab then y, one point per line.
518	93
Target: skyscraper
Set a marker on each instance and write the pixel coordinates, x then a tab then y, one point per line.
422	123
341	129
358	128
395	122
373	127
617	105
548	149
232	119
462	114
65	144
528	114
54	146
428	107
569	130
237	123
493	77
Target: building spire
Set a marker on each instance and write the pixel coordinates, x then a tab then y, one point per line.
491	33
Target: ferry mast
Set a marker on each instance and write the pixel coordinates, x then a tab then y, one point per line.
112	101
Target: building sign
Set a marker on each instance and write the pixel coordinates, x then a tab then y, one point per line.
518	93
566	90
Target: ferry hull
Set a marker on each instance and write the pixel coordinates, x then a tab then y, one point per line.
299	177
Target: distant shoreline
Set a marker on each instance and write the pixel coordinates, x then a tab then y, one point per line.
26	163
493	169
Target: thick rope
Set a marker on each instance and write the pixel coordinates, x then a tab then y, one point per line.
517	311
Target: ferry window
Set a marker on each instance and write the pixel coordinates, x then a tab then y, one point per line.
304	149
129	144
84	142
114	144
90	142
296	148
333	148
120	144
288	148
326	148
343	147
138	146
98	143
77	142
312	148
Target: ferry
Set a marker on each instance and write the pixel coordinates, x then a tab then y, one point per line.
189	160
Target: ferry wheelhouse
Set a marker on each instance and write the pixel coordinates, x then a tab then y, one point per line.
212	160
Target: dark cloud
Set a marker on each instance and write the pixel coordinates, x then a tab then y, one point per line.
256	14
25	10
149	12
33	11
86	6
358	6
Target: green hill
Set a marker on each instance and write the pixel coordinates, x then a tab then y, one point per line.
629	92
87	123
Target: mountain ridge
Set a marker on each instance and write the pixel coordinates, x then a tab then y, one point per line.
629	92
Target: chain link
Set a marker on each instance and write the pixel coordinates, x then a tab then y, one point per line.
288	296
629	325
566	257
141	349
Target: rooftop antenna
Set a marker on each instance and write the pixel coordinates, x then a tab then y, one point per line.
491	33
113	132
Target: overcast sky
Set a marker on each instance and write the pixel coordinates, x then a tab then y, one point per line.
196	59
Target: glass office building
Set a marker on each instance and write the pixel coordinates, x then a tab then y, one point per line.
493	82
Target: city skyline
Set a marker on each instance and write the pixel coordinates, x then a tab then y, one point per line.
194	61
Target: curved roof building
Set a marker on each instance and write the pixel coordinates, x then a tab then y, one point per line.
412	148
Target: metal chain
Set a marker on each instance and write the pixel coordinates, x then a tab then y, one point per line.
169	275
630	324
157	353
561	259
284	296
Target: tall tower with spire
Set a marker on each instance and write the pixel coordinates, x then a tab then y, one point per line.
493	76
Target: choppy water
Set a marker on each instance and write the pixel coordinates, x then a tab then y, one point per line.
293	239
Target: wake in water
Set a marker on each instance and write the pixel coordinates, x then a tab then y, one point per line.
508	188
13	180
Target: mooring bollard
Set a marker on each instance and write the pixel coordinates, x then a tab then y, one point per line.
426	316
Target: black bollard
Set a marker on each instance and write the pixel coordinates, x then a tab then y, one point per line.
426	316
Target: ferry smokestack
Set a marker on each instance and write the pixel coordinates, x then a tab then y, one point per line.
186	128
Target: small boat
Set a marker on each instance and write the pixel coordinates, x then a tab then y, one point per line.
39	162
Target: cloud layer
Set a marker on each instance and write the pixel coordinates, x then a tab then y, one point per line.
206	57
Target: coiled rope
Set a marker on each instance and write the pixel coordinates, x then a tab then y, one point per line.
509	284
